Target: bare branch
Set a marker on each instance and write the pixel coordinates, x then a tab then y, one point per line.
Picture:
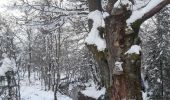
155	10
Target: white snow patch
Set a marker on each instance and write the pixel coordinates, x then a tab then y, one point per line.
93	36
105	14
35	93
144	96
35	90
93	92
137	14
159	80
134	49
118	66
145	82
7	65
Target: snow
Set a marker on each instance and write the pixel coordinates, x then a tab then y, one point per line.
35	91
134	49
105	14
159	80
144	96
93	92
93	36
7	65
118	66
145	83
122	2
137	14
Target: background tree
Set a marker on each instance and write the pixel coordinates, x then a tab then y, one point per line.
8	63
156	53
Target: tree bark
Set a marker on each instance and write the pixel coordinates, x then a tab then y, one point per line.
126	85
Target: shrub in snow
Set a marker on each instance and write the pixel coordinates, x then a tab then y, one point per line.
7	65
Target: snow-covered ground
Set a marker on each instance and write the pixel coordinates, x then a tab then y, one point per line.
35	91
92	91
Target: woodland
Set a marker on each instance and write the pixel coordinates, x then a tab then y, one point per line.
84	49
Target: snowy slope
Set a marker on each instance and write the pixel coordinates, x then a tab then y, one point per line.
35	91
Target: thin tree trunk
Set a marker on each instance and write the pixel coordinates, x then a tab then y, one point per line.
9	86
58	51
29	54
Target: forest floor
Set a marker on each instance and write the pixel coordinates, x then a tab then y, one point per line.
35	91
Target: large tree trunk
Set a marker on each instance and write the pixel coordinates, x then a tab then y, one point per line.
124	85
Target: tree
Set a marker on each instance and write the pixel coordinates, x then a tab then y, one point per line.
9	88
118	39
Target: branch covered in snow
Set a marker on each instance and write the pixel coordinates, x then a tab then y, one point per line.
94	36
145	12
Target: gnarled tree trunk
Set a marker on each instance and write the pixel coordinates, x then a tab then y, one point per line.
124	85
